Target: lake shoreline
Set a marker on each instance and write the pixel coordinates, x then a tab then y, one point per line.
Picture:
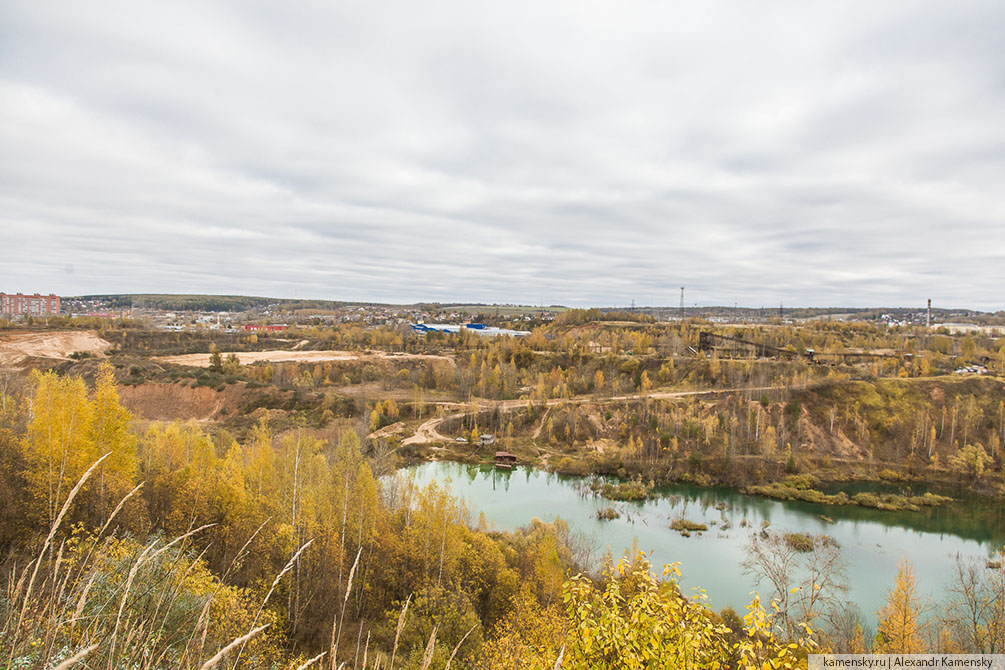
873	540
822	489
975	517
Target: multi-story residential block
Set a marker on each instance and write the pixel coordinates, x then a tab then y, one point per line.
19	304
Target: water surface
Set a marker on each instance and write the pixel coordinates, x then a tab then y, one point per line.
872	541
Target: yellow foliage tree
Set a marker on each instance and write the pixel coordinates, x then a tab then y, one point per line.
529	638
768	440
110	433
58	447
67	431
900	631
640	622
598	381
970	460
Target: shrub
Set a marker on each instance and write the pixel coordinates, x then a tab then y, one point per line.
634	490
571	466
800	542
682	525
608	514
801	482
175	608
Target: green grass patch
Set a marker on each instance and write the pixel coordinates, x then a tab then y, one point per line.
885	501
634	490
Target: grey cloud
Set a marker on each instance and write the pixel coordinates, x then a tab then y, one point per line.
560	153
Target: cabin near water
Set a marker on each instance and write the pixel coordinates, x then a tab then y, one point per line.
505	460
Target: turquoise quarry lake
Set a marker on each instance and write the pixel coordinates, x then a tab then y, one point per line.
872	541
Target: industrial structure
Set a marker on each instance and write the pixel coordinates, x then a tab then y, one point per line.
478	328
737	347
19	304
269	328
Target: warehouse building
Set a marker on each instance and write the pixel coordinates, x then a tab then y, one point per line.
479	328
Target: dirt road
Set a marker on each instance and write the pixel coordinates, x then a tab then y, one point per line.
299	356
16	347
428	431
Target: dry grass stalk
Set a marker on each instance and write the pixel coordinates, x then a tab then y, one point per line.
125	595
38	560
558	661
167	600
45	545
201	622
312	661
118	508
75	658
397	631
275	582
66	579
205	629
87	587
132	636
359	638
90	551
69	500
168	597
289	566
53	579
16	592
427	657
55	599
337	636
238	642
11	581
143	558
179	539
83	596
240	554
454	652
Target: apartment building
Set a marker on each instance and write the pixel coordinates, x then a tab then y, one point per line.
19	304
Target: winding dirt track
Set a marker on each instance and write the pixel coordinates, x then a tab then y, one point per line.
428	431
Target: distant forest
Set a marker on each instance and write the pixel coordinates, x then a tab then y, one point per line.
210	303
239	303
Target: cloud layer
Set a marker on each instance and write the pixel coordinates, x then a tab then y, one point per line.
581	153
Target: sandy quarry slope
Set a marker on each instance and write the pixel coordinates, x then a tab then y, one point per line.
170	402
281	356
16	347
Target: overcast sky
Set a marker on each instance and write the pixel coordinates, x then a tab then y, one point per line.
578	153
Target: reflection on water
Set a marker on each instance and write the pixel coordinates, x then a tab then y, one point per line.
872	541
